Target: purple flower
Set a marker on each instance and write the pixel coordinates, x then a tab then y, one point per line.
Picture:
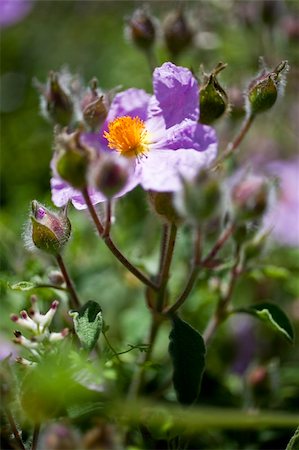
13	11
159	135
282	218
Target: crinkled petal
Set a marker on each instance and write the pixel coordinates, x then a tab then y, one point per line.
163	170
188	135
177	94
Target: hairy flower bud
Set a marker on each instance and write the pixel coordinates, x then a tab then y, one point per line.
162	204
94	107
212	97
141	29
49	231
200	198
177	33
263	90
57	104
250	197
72	159
110	174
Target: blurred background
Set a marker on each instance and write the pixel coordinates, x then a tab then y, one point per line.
88	38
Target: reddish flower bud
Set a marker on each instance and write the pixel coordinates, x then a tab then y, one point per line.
141	29
250	197
49	231
177	32
110	175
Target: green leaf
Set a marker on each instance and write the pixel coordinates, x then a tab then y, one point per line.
294	442
22	286
273	316
187	351
88	324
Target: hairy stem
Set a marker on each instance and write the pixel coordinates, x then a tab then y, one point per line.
112	247
108	219
75	302
234	144
14	428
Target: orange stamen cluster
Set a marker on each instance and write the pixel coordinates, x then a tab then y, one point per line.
128	136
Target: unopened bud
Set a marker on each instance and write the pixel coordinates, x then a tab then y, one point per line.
162	204
263	90
212	97
200	198
142	29
94	107
250	197
49	231
56	278
110	175
72	159
177	33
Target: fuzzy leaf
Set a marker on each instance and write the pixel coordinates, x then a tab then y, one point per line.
88	324
273	316
187	351
22	286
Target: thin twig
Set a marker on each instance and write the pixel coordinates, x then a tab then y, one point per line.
219	244
164	240
75	302
111	348
50	286
14	428
112	247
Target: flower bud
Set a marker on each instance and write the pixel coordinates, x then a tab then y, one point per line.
72	159
250	197
200	198
56	101
263	90
212	97
49	231
141	29
177	33
162	204
56	277
94	107
110	175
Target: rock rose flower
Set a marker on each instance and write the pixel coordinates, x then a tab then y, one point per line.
158	134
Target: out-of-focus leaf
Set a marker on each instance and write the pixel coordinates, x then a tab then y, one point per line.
273	316
88	324
276	272
22	286
187	351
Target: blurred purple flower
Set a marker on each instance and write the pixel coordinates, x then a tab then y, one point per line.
283	215
159	135
7	348
13	11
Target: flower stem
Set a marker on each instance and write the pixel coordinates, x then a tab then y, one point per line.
108	219
35	436
164	274
221	312
112	247
14	428
219	244
234	144
192	278
75	302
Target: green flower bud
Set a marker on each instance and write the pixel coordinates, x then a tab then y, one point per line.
162	204
263	90
177	33
141	29
200	198
212	98
49	231
110	175
72	159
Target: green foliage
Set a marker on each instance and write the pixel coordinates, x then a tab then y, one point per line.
272	315
88	324
187	351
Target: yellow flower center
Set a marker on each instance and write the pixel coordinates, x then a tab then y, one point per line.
128	136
